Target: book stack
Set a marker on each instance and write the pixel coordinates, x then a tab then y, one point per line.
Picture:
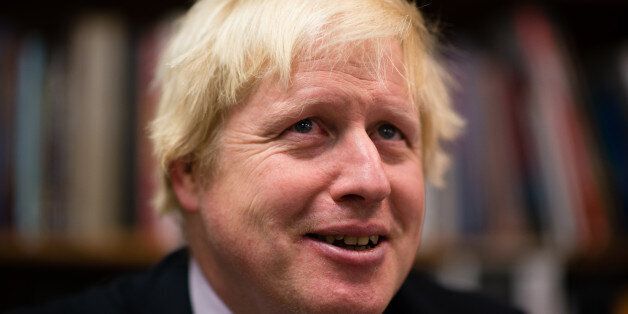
539	176
73	111
540	162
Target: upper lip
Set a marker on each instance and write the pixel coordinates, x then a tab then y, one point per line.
352	229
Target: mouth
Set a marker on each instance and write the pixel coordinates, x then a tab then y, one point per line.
351	243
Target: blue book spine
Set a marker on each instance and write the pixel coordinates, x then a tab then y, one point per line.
28	165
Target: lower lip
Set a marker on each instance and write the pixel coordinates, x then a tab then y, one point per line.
367	258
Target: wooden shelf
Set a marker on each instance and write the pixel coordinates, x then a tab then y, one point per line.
121	249
612	258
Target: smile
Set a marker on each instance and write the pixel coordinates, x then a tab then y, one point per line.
353	243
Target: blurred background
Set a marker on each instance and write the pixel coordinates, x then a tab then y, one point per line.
536	207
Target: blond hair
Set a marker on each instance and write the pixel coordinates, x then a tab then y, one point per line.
223	48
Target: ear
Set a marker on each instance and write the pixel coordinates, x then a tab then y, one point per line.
185	187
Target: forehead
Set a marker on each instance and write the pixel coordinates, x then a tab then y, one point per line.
359	90
352	71
366	73
360	82
375	69
373	60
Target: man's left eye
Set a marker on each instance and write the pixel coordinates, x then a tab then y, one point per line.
389	132
303	126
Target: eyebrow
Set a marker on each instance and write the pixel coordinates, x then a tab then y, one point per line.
398	110
401	110
289	108
278	111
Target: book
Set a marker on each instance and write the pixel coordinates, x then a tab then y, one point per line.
575	215
8	65
28	153
98	50
55	142
609	115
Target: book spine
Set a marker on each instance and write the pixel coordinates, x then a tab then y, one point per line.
28	165
8	66
96	99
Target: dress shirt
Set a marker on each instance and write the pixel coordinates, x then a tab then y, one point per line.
204	298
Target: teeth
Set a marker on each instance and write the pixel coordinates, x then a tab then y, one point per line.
351	240
330	239
360	242
363	240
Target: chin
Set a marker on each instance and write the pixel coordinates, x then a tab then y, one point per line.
360	305
342	305
325	288
330	299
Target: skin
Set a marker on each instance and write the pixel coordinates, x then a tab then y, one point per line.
276	183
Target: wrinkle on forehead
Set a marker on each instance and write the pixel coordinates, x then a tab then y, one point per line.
375	55
378	83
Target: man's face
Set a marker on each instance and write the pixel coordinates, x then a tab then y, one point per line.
317	204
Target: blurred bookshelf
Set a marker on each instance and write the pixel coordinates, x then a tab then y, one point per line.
536	207
535	210
120	249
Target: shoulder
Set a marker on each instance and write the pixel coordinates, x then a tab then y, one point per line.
421	294
162	289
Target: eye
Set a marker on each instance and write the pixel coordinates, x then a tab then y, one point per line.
388	131
303	126
307	132
308	127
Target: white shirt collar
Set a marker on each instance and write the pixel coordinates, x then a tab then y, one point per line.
204	298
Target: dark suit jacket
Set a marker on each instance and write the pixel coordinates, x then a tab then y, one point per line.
164	289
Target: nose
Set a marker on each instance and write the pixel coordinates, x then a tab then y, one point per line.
361	174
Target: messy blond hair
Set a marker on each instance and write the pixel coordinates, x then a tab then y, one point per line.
223	48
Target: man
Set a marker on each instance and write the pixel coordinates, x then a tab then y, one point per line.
293	140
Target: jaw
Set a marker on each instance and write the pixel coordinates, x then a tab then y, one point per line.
328	295
291	274
339	282
309	281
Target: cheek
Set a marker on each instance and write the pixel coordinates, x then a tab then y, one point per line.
289	188
408	197
251	215
407	203
241	221
271	194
